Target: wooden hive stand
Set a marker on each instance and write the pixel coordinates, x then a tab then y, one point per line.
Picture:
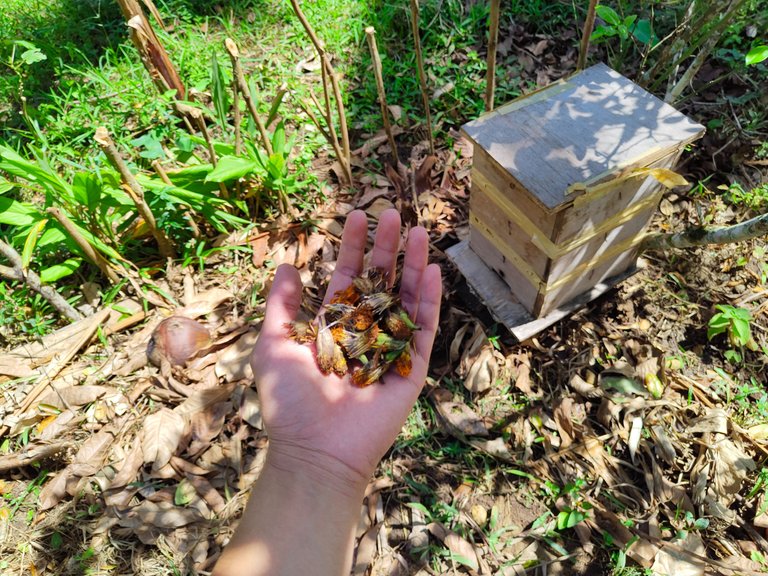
561	194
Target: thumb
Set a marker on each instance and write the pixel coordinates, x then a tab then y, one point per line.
283	301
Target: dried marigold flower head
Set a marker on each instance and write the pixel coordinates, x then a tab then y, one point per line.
349	296
369	372
324	348
380	302
361	318
358	343
402	363
397	325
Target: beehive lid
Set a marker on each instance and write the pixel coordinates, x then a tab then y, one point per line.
579	130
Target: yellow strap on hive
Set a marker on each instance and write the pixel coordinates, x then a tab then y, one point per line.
539	239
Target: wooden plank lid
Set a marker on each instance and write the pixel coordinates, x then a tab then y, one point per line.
579	130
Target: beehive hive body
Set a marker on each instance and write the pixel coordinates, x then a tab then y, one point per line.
559	199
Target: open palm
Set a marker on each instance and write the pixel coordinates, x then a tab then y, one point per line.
323	420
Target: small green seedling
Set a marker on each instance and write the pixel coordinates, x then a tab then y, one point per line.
736	323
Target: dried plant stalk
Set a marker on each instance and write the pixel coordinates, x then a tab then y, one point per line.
28	277
237	72
104	140
422	75
589	25
370	32
152	52
493	39
329	73
89	251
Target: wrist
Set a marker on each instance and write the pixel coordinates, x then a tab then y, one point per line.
319	470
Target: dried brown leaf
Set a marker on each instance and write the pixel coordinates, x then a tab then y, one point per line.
164	515
461	419
74	396
234	362
203	399
250	408
205	303
678	560
161	435
462	551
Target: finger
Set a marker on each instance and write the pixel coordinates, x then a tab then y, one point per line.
386	245
413	268
350	261
283	301
429	312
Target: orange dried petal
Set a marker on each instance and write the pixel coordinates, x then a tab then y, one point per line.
403	364
349	296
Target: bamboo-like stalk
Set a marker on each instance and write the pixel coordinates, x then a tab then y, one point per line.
160	171
370	32
31	279
327	69
422	75
135	191
153	54
757	226
237	72
493	40
589	26
89	251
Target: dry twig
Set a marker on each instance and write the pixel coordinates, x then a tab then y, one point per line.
493	38
370	33
589	25
422	75
104	140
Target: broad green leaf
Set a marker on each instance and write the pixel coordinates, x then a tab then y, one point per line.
58	271
17	213
642	31
742	331
230	168
51	237
603	32
756	55
608	14
32	56
5	186
278	140
152	145
30	242
86	189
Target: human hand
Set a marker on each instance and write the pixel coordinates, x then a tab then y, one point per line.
323	424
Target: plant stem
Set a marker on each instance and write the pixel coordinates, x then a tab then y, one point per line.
422	75
346	159
104	140
152	52
237	72
589	25
757	226
89	251
32	280
370	32
493	39
712	38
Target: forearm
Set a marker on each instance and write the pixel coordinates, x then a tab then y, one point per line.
293	524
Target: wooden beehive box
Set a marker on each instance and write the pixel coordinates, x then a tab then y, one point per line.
560	192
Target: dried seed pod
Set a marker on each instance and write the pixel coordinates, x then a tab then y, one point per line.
303	332
370	372
358	343
324	348
176	340
402	363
